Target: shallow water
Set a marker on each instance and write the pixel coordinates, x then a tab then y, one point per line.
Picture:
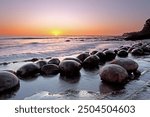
86	86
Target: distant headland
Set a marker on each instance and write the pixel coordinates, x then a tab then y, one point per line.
143	34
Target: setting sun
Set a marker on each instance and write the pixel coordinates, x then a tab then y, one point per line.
56	32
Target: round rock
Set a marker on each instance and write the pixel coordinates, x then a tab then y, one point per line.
69	68
50	69
102	57
55	61
83	56
75	59
122	53
41	63
113	74
128	64
7	81
110	55
137	52
27	70
91	62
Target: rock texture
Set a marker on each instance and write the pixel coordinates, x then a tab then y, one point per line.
28	70
7	80
113	74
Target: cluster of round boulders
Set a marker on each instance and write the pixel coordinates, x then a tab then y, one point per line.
90	60
119	71
8	81
140	49
28	70
128	64
69	68
113	74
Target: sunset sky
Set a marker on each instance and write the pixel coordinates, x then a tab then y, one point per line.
72	17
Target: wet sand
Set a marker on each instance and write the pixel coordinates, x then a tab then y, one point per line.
87	86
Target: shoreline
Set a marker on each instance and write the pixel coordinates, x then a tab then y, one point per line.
89	85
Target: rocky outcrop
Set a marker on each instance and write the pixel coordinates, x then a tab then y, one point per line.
143	34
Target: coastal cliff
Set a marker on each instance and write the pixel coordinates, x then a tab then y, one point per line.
143	34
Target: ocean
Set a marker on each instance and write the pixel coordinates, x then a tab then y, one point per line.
17	48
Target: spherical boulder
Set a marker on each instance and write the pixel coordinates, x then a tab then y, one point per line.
41	63
50	69
113	74
69	68
83	56
8	81
28	70
110	55
122	53
75	59
54	61
137	52
128	64
102	57
91	62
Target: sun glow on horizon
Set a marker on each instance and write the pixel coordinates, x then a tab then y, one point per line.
56	32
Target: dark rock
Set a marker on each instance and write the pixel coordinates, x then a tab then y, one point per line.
143	34
137	74
71	79
146	28
122	53
113	74
67	40
7	81
75	59
146	48
136	45
128	64
91	62
50	69
102	57
83	56
11	71
109	88
69	68
110	55
124	48
28	70
93	52
130	49
41	63
31	60
137	52
54	61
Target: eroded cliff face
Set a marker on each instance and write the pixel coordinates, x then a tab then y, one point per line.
143	34
146	28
